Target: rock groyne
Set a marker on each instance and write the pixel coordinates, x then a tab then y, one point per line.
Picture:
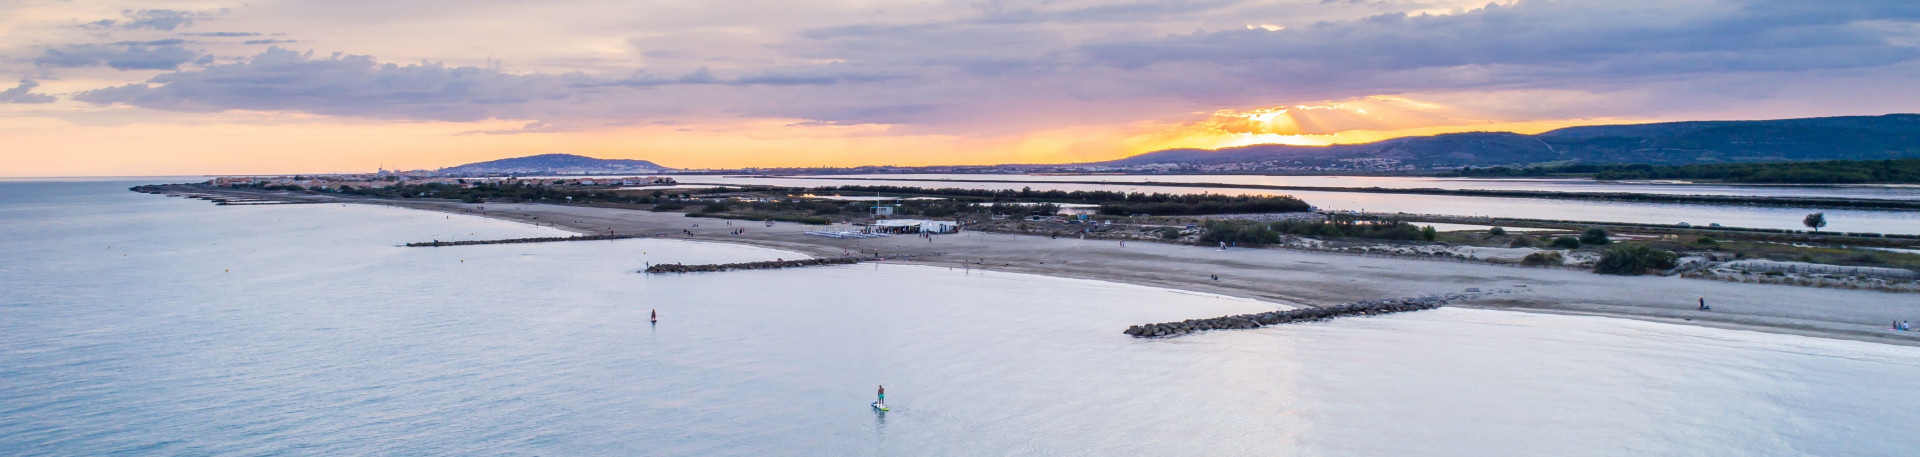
1257	320
549	239
768	265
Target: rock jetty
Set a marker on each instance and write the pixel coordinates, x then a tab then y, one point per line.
549	239
768	265
1257	320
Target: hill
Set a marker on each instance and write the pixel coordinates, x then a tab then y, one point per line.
556	164
1892	136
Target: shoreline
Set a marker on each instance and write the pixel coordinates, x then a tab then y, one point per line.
1287	278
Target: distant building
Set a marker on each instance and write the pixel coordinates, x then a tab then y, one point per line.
915	226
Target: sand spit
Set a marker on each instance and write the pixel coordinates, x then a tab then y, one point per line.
1291	277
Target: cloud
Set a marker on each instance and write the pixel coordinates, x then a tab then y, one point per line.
118	56
285	80
704	76
1007	66
23	94
221	34
151	19
1545	42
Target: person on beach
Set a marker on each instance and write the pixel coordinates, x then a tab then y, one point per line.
1703	304
883	395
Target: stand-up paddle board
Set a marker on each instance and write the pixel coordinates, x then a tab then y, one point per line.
877	406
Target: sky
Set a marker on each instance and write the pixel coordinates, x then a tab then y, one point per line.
161	87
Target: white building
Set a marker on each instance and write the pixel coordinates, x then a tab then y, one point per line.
915	226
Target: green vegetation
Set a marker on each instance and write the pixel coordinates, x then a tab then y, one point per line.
1380	230
809	220
1543	258
1823	172
1111	203
1595	236
1566	242
514	192
1815	221
1633	259
1247	232
1496	231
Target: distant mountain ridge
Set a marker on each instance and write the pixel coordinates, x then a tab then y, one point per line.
556	164
1892	136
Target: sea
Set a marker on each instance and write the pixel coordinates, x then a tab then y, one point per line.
135	324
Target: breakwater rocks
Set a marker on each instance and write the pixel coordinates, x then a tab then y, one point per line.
1257	320
550	239
769	265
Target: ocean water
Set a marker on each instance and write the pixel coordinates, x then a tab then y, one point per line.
142	325
1773	217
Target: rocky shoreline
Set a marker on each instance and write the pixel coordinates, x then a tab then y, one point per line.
768	265
1257	320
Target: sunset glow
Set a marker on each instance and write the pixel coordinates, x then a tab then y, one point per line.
290	87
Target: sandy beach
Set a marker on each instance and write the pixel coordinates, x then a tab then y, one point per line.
1281	276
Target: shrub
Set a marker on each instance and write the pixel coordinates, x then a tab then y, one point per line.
715	208
1239	232
1524	242
1429	234
1566	242
1706	241
1169	233
669	207
1385	230
1496	231
1633	259
1595	236
1542	258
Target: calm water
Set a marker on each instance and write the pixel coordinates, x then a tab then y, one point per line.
1889	192
144	325
1905	222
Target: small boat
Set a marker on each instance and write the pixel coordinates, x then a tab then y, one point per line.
878	406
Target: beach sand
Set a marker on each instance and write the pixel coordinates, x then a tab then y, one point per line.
1281	276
